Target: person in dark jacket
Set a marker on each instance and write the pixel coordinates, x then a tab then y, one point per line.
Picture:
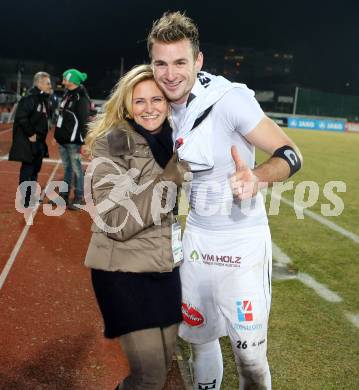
29	134
70	132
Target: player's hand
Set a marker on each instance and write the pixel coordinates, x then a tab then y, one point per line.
244	182
176	171
32	138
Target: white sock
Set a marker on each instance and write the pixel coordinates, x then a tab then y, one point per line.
255	375
253	369
207	365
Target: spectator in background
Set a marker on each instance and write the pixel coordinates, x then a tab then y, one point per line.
70	132
54	103
29	133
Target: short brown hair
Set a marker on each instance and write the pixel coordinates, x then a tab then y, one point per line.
173	27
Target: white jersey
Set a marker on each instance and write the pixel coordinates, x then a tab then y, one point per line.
235	115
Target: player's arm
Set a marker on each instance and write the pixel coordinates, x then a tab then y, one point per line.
285	159
260	131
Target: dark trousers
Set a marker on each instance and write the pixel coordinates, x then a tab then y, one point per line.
29	172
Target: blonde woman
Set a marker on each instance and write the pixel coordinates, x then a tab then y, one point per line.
134	273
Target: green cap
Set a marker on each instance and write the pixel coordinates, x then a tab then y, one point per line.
75	76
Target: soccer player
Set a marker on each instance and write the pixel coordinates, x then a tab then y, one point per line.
226	275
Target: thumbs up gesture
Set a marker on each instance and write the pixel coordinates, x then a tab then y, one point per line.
244	182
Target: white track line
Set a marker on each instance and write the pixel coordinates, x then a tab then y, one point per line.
319	288
353	318
21	239
53	161
47	160
15	172
324	221
282	259
322	290
5	131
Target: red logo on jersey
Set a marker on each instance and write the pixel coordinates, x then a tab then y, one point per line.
191	316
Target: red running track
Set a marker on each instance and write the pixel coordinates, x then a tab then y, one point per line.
51	329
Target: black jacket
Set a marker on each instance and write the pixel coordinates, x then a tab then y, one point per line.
71	127
31	118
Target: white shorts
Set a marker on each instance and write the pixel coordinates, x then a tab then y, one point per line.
226	286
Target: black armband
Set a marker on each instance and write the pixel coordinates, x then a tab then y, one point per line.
288	154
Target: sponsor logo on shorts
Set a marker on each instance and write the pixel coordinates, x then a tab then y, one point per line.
244	344
244	311
259	343
220	260
191	315
207	385
241	327
245	315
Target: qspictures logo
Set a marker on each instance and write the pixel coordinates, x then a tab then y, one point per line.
124	186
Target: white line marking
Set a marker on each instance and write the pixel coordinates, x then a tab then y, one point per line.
353	318
5	131
52	161
323	291
281	272
47	160
322	220
21	239
319	288
15	172
282	259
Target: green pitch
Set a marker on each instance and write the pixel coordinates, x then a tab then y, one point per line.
313	342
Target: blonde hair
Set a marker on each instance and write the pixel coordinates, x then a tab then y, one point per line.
119	106
173	27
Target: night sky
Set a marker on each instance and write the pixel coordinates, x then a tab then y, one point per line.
94	35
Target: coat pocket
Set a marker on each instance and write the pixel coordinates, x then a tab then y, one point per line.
99	252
